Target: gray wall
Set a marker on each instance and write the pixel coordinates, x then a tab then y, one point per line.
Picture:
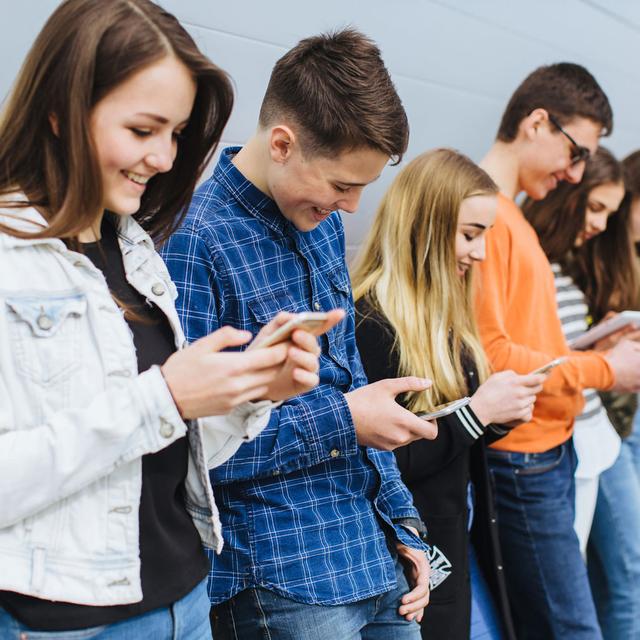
454	62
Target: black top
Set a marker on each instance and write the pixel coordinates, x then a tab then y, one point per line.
172	559
437	473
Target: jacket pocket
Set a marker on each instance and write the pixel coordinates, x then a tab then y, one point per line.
266	307
45	332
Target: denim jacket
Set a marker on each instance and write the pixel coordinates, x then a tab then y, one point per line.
76	418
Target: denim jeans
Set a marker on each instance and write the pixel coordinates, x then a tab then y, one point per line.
260	614
485	621
186	619
545	573
614	546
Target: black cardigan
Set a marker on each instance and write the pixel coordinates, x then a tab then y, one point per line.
437	473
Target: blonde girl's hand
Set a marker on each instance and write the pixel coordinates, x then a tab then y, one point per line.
507	398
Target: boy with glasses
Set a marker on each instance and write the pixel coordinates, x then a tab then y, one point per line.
315	516
549	129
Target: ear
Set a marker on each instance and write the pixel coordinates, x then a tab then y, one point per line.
282	142
53	123
529	126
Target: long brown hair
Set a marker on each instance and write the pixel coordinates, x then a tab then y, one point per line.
87	48
406	269
603	268
631	166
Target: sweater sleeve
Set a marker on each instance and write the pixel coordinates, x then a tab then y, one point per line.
499	288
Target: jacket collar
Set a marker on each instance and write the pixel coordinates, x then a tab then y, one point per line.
31	220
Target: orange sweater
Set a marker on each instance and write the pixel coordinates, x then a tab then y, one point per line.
520	330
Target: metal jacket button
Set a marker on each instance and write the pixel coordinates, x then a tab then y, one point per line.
157	289
44	322
166	429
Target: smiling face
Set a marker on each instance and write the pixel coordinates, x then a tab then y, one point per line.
477	214
546	160
308	189
135	129
602	201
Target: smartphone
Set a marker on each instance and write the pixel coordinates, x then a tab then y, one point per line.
550	365
307	320
444	409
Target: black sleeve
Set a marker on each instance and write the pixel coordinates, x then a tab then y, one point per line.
456	432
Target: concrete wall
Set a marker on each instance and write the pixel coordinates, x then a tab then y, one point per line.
454	62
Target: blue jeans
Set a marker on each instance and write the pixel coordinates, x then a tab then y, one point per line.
614	545
545	573
186	619
260	614
485	621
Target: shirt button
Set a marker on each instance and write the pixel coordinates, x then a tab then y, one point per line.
44	322
317	306
499	567
157	289
334	453
166	428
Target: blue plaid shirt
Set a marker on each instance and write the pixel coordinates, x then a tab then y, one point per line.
304	508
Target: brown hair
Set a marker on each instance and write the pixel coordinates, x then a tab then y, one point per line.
565	90
336	88
604	267
87	48
631	168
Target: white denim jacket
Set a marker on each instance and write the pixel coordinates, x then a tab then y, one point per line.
76	418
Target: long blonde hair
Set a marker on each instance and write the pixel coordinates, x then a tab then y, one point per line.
406	269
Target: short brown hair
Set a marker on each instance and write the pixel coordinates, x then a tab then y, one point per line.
85	50
336	88
565	90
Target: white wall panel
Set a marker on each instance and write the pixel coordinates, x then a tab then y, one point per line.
454	62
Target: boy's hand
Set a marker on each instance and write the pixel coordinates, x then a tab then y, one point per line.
380	422
417	570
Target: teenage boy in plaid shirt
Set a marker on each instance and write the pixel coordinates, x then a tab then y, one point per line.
313	510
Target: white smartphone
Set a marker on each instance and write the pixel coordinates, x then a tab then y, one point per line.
444	409
307	320
606	328
545	368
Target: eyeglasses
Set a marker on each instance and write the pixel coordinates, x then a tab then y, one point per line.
578	152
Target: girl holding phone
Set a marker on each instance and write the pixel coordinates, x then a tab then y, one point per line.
413	289
586	232
104	484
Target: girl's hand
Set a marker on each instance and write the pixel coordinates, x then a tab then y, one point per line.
204	381
299	373
507	398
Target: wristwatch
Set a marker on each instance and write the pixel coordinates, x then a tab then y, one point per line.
415	523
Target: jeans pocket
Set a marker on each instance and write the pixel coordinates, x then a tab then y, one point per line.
539	463
78	634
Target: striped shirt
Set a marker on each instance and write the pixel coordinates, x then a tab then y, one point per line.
573	312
